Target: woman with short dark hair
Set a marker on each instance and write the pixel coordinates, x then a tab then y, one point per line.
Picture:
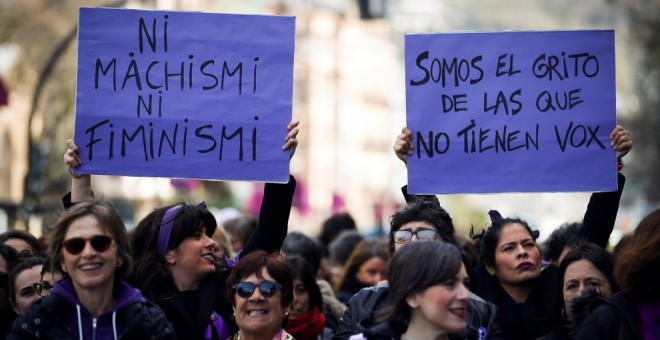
25	285
261	287
22	241
585	276
173	252
306	318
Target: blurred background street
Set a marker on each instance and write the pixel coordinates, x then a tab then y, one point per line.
349	95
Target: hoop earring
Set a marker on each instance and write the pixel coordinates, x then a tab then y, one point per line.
564	314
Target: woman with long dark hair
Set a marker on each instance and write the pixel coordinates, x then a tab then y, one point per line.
173	253
306	319
365	267
634	312
428	292
585	275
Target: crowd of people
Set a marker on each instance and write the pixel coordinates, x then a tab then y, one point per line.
181	274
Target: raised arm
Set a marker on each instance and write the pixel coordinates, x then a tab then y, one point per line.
603	207
276	206
403	147
81	185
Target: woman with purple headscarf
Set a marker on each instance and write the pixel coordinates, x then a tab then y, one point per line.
173	255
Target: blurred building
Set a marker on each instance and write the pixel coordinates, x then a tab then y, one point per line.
349	95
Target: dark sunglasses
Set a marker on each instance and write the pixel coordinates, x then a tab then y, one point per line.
75	246
246	289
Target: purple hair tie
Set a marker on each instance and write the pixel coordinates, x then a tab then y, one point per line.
231	263
166	228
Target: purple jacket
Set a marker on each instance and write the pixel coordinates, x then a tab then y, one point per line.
106	326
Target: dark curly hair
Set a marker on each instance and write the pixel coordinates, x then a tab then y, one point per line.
424	210
22	265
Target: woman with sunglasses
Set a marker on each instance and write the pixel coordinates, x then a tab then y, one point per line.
89	247
173	252
261	287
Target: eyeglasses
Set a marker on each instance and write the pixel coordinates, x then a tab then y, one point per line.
40	288
404	236
75	246
246	289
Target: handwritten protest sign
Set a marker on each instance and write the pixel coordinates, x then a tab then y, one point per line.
184	94
511	111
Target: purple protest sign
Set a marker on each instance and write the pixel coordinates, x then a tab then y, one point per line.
511	112
184	94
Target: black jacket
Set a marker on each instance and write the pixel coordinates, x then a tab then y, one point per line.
385	331
361	308
211	295
536	316
349	288
393	330
47	319
616	318
600	216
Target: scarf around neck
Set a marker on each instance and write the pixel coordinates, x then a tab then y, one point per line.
307	326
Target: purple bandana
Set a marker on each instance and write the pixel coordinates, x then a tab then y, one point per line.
166	228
